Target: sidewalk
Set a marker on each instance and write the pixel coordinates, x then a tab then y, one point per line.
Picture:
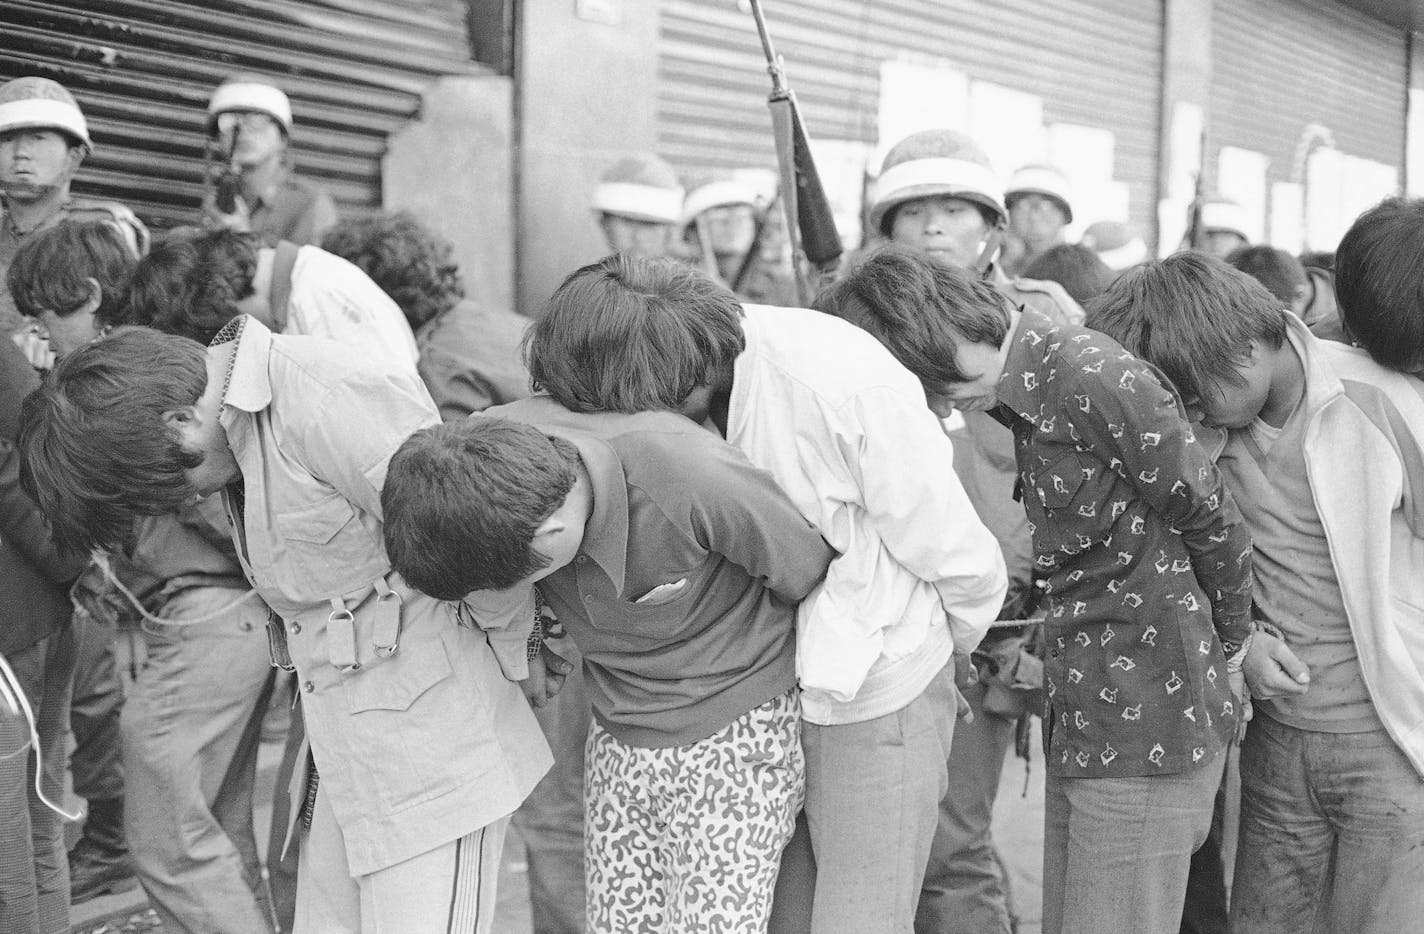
1018	830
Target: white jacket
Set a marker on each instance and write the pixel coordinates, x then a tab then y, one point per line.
846	431
1364	455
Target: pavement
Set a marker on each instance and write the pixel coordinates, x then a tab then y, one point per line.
1018	831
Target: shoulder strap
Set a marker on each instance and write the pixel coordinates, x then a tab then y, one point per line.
283	261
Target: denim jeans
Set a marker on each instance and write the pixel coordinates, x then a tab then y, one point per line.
34	874
965	889
551	818
1116	850
1332	834
872	798
191	729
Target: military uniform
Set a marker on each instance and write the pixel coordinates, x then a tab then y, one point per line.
72	209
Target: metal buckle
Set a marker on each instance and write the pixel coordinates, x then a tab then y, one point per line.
386	631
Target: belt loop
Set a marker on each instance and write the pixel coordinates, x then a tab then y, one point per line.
385	634
341	636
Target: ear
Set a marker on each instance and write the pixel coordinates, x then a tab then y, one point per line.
176	420
95	299
553	525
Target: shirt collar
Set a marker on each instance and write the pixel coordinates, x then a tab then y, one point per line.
249	381
605	537
1030	346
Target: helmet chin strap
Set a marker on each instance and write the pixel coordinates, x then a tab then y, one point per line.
991	247
28	189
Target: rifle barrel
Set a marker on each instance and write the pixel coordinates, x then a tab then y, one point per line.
773	62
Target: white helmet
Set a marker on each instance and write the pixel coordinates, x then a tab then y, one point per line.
253	94
42	104
716	194
643	188
1040	180
1220	214
935	162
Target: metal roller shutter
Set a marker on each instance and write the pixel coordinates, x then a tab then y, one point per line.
143	70
1289	76
1094	63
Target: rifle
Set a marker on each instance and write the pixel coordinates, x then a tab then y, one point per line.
229	183
1196	236
810	223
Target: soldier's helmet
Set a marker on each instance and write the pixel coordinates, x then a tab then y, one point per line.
1040	180
715	194
41	104
1115	243
1224	215
930	163
642	187
250	93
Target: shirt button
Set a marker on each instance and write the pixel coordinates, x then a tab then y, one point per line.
308	686
296	628
588	599
246	625
583	559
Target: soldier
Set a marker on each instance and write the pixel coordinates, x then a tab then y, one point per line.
43	140
1116	244
1040	211
937	194
638	203
250	124
727	229
1223	225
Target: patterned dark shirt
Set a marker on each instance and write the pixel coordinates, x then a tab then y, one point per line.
1143	555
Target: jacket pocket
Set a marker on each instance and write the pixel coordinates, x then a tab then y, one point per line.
1058	484
424	666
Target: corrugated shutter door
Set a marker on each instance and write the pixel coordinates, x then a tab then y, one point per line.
1291	75
143	71
1093	63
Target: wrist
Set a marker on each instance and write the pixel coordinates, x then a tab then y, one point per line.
1238	658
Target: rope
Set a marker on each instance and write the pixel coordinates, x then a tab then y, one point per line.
102	561
13	696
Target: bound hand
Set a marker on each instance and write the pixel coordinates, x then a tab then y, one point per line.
547	672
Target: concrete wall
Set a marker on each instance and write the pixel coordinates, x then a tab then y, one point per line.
587	80
453	168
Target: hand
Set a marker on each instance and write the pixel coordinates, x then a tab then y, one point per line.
34	344
1273	670
547	672
240	219
1237	681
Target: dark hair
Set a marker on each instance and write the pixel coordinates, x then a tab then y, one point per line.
1281	274
1318	259
95	451
1192	315
52	269
632	335
411	263
191	282
1080	271
1379	283
462	501
921	308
